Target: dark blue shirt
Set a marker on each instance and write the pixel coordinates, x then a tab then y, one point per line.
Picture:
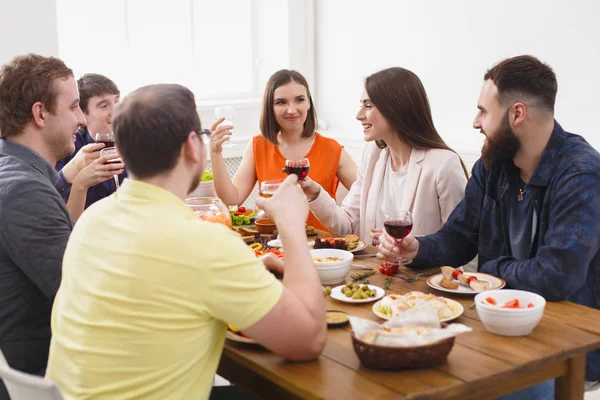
566	261
94	193
522	219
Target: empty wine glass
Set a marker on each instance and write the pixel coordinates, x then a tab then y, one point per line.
398	224
228	113
107	138
110	152
298	167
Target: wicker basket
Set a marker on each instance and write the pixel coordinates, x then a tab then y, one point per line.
383	357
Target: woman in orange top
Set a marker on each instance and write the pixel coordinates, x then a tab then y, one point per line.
288	122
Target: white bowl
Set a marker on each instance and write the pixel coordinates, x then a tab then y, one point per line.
332	272
204	189
510	321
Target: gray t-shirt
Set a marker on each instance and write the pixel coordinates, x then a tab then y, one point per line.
34	229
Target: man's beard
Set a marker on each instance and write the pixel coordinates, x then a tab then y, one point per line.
502	147
196	181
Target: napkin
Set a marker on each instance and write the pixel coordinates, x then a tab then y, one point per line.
425	318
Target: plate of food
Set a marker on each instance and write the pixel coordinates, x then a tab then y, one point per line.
394	304
348	242
357	293
454	280
236	335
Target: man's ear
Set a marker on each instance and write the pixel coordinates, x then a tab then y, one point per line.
191	148
39	114
518	113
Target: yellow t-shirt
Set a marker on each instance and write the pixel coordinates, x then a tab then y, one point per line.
146	292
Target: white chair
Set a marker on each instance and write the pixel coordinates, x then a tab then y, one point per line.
22	386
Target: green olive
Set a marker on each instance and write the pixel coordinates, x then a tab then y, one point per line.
348	293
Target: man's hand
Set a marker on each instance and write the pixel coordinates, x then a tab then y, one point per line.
84	157
97	172
273	264
288	206
389	248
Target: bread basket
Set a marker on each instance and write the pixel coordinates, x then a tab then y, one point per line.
384	357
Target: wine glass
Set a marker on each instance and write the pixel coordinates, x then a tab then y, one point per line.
398	224
298	167
107	138
267	189
110	152
228	113
210	209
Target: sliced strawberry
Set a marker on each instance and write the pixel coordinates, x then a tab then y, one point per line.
491	300
530	305
512	304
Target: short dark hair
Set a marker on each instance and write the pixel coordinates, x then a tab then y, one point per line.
268	124
400	96
91	85
524	76
24	81
150	126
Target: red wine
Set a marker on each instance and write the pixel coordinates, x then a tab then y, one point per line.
398	229
107	143
113	161
300	170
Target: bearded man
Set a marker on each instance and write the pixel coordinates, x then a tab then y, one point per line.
531	210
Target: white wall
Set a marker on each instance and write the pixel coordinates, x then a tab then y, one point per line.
450	45
27	26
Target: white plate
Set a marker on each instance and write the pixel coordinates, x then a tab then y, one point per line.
360	246
275	243
456	306
336	293
495	283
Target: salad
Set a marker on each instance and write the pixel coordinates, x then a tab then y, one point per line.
242	216
206	176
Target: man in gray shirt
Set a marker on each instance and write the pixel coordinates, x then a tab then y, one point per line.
39	116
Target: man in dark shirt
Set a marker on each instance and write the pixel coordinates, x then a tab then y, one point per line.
39	116
532	206
98	97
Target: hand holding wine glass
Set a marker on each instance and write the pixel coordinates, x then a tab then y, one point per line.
227	113
276	198
98	171
111	157
298	167
108	138
398	225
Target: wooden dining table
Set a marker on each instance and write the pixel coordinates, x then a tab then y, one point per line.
481	365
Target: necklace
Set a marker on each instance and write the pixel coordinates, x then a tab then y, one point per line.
521	193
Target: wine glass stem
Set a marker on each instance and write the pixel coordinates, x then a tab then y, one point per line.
116	178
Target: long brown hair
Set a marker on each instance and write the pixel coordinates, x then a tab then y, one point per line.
400	97
268	124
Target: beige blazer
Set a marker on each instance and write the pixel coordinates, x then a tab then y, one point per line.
435	184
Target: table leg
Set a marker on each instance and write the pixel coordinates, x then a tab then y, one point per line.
570	386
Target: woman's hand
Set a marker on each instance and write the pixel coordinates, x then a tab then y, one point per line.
220	134
311	188
389	248
375	234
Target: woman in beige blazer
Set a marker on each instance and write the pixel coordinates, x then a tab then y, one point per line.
397	123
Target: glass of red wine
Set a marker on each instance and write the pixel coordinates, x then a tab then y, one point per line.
111	152
107	138
398	225
298	167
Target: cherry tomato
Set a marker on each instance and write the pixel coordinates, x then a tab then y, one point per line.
530	305
242	209
471	278
491	300
512	304
388	269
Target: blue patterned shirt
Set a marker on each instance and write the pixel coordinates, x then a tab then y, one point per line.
564	262
94	193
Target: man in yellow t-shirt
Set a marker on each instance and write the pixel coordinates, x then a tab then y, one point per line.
147	288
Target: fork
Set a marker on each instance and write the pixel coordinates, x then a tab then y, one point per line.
414	278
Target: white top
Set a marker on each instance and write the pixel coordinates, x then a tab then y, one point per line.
392	190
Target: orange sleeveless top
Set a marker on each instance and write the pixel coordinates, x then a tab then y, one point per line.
324	157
